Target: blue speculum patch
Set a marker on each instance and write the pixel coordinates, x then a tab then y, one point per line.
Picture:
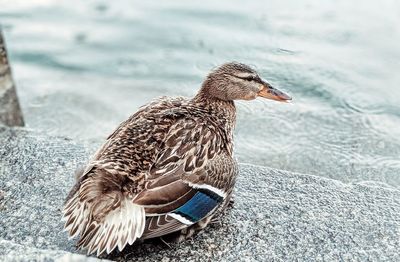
198	206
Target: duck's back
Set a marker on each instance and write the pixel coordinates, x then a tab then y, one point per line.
133	146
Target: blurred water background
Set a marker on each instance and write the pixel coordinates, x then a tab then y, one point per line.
82	67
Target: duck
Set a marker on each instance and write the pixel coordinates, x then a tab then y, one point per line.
168	169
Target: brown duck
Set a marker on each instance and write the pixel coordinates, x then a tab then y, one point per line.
168	168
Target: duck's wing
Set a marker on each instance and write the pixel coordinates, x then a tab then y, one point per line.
197	197
190	179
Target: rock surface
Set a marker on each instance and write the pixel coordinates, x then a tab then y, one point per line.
277	215
10	111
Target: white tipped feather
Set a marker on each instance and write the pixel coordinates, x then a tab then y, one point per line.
119	227
217	191
74	216
181	219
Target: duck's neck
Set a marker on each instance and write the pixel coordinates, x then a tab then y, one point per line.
222	111
203	97
223	108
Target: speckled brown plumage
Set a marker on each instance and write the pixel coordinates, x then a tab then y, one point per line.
169	167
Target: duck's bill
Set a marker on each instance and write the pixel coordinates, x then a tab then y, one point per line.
272	93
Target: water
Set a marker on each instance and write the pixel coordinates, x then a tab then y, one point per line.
84	66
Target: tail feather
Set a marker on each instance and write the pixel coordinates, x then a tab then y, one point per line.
75	215
104	220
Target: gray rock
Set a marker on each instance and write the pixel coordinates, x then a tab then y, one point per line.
10	111
277	215
17	252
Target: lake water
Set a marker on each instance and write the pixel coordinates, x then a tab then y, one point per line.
82	67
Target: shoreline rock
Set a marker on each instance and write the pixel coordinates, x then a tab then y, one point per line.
277	215
10	110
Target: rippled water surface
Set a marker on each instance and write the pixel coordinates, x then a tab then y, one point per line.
84	66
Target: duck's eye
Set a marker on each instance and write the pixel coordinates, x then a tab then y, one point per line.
251	78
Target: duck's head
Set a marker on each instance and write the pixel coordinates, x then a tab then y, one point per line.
236	81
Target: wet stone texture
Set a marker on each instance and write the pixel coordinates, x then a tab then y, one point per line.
277	215
10	111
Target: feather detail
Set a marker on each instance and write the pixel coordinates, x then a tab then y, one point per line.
221	193
191	211
103	216
187	148
161	225
197	208
120	227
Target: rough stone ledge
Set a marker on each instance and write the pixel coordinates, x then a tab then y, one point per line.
277	215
